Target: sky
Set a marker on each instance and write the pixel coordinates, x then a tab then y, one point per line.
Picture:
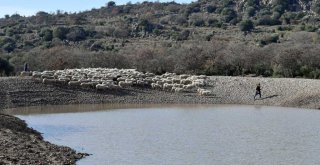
31	7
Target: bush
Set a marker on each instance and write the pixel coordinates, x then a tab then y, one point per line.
214	22
8	44
251	11
60	32
246	26
267	20
269	39
46	34
228	14
211	9
111	4
5	67
76	34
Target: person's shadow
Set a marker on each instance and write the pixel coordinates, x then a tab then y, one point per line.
268	97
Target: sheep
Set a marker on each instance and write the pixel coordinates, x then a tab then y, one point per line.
74	83
184	76
25	73
186	81
88	84
47	77
36	74
155	86
178	90
167	87
141	83
176	81
199	83
177	85
124	84
102	87
204	92
189	86
160	83
49	81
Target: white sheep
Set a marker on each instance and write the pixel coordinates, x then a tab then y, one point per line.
204	92
167	87
74	83
124	84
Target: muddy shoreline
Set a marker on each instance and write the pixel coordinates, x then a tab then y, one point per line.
24	145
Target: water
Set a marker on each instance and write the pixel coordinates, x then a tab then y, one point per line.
182	135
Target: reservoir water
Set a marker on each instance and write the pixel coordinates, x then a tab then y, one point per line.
181	134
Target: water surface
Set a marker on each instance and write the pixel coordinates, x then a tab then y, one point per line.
182	134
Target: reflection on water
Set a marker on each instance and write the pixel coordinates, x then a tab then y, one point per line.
185	134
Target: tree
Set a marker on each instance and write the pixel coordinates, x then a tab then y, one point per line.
246	26
111	4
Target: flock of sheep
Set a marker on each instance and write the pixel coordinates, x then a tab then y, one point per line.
106	79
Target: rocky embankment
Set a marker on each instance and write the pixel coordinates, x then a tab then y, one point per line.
22	145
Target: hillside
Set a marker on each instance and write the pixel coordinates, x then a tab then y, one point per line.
214	37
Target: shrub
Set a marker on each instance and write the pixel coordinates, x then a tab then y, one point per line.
267	20
5	67
111	4
251	11
46	34
76	34
211	9
228	14
269	39
8	44
60	32
214	22
246	26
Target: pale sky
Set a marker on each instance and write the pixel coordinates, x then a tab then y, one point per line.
30	7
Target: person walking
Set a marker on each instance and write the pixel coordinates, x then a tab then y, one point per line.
258	91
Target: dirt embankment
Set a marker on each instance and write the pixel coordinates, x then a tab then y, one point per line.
23	145
305	93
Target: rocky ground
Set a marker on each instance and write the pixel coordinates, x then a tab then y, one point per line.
22	145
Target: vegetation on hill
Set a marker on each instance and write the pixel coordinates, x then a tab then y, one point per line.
214	37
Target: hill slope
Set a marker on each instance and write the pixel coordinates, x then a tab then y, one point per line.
224	37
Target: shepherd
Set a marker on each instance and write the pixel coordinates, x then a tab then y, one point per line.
25	67
258	91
